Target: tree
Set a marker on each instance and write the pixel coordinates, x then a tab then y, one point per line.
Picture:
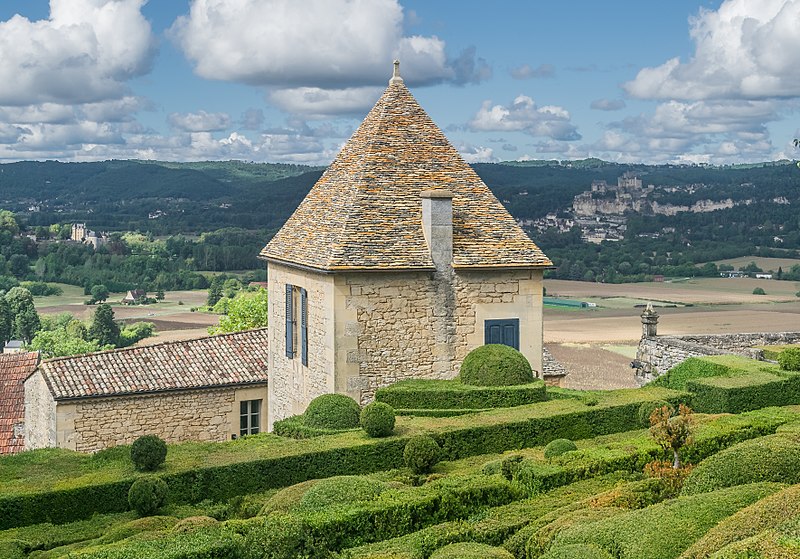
61	342
160	295
25	319
245	311
672	432
19	265
103	328
214	291
99	293
6	320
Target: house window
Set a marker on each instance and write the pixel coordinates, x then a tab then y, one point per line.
504	331
249	417
297	322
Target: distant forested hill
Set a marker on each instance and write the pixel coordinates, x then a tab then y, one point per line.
167	198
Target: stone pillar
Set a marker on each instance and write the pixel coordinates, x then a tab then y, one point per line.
437	225
649	322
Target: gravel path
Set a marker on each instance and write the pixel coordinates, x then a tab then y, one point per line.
591	367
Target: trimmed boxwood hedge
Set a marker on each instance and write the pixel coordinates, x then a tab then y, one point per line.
295	427
452	394
493	528
743	393
772	458
495	365
471	550
459	437
762	515
664	530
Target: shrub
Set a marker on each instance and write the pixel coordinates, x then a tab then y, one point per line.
558	447
147	495
671	478
743	393
454	395
470	550
287	498
421	453
147	524
339	490
759	291
772	458
148	453
377	419
762	515
509	466
332	411
578	551
192	523
647	409
495	365
789	359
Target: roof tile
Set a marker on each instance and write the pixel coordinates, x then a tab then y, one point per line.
216	361
14	369
365	211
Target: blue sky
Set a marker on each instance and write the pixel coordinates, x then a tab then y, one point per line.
289	80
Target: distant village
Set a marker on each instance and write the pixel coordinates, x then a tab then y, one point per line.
601	212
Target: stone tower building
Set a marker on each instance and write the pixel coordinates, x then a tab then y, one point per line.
397	263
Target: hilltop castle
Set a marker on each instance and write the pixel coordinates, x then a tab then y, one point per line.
397	263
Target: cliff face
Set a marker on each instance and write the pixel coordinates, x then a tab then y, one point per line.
585	205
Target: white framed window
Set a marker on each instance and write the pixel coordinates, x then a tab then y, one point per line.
249	417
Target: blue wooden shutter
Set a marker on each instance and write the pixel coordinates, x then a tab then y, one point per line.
304	326
504	331
289	322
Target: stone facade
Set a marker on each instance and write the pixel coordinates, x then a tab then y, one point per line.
393	326
91	424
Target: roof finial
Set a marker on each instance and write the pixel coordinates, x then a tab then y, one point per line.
396	74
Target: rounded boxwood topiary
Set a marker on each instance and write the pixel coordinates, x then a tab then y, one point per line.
471	550
340	490
332	411
147	495
421	453
577	551
194	523
288	498
789	359
495	365
647	408
148	453
558	447
377	419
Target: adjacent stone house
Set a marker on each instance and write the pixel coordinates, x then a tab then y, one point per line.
397	263
209	389
14	369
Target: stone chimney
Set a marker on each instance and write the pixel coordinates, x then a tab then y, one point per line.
437	225
649	322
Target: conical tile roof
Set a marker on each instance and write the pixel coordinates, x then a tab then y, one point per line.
365	212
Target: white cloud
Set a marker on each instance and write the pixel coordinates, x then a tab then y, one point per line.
252	119
85	52
608	104
315	102
526	72
315	43
744	49
299	50
476	154
200	121
523	115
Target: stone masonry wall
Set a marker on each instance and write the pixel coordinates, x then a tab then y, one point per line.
177	416
422	325
658	354
40	413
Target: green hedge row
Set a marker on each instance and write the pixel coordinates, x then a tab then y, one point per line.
661	531
316	534
736	394
295	427
492	528
446	412
459	437
452	394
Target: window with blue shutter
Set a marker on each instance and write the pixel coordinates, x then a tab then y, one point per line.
304	326
504	331
289	321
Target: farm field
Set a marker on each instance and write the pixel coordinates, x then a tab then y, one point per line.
173	316
764	263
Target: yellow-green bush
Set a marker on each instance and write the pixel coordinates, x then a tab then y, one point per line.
471	550
495	365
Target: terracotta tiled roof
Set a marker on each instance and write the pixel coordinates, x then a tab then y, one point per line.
365	212
14	369
225	360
